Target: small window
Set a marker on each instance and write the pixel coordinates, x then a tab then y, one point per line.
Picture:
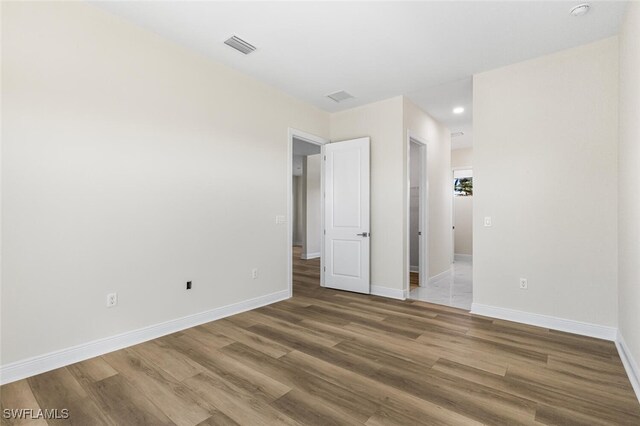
462	183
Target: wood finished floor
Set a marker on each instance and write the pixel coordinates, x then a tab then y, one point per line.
414	280
327	357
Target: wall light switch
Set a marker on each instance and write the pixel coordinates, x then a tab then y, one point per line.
280	220
487	221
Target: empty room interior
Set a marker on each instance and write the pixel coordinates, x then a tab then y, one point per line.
320	213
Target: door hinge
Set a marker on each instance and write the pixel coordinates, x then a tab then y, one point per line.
324	268
325	232
325	158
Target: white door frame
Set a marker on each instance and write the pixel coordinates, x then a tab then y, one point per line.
316	140
424	217
453	215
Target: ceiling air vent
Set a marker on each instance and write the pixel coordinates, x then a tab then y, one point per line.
240	45
457	134
339	96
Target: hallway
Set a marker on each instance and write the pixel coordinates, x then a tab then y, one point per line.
454	289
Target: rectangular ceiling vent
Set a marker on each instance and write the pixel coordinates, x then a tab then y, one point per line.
240	45
457	134
339	96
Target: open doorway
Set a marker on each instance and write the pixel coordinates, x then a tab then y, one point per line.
305	210
462	277
452	287
306	199
418	270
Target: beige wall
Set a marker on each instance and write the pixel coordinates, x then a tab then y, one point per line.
462	158
124	169
120	173
463	206
438	137
629	184
297	215
463	219
387	123
313	214
382	122
545	170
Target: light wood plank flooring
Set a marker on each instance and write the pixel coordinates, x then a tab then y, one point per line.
327	357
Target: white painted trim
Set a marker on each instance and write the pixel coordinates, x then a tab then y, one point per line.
307	137
290	212
440	276
458	256
414	268
392	293
630	365
310	256
546	321
39	364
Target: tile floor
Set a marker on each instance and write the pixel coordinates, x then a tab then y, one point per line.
453	290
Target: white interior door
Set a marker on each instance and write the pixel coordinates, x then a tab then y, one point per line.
346	215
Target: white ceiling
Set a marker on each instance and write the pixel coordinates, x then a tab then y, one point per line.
303	148
439	102
427	51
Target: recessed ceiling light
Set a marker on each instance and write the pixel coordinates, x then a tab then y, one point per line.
580	9
458	110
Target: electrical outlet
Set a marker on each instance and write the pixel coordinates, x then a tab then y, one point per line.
112	300
280	220
524	284
254	273
188	285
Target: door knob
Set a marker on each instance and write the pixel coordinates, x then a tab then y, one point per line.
364	234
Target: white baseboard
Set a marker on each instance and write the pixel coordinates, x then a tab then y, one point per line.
440	276
463	256
414	269
310	256
630	365
393	293
39	364
546	321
